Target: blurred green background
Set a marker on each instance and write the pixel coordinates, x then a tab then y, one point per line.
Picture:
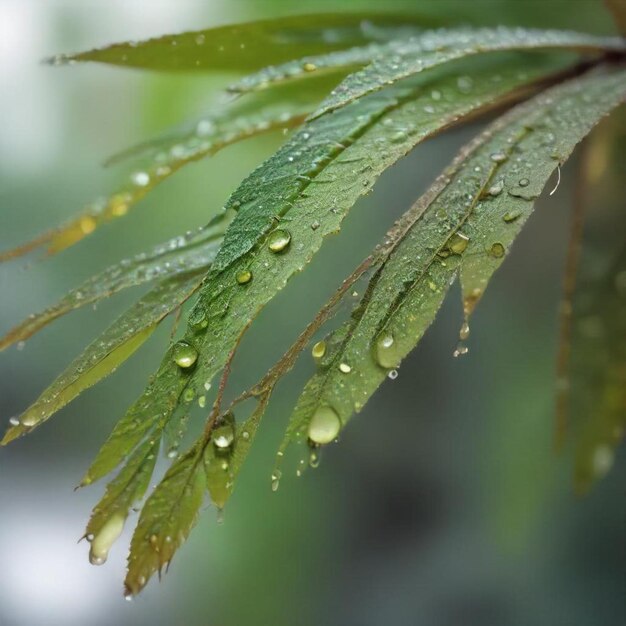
443	504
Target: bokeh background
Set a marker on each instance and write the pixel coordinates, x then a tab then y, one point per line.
442	505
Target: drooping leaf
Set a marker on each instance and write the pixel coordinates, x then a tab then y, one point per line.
248	46
309	185
128	487
478	208
434	48
179	255
110	350
166	519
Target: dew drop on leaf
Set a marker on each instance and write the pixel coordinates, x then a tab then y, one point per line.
223	436
278	240
511	216
496	188
498	157
324	425
141	179
103	540
243	277
184	354
458	243
319	350
385	350
497	250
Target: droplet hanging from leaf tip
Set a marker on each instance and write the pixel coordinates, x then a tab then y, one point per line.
324	425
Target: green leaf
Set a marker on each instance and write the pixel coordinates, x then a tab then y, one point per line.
179	255
166	519
309	66
161	159
250	45
128	487
434	48
108	351
478	203
307	188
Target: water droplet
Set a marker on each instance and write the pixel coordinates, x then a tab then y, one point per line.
498	157
464	332
87	224
386	350
223	435
314	459
202	401
496	188
523	182
278	240
497	250
324	425
393	374
602	460
464	83
461	349
315	225
188	395
184	354
141	179
458	243
14	421
200	39
309	67
198	319
319	350
105	538
172	453
205	128
511	216
276	475
245	435
345	368
244	276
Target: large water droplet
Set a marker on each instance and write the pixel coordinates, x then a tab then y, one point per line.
458	243
385	350
224	433
243	277
102	542
324	425
319	349
278	240
184	354
497	250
